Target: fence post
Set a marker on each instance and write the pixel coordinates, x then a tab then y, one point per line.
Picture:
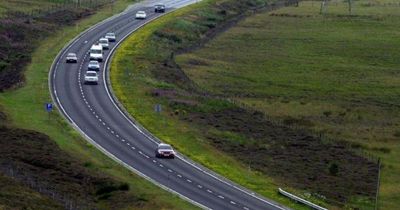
378	184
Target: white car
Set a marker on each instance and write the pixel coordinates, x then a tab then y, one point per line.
141	15
94	65
110	36
71	58
96	52
104	42
91	77
165	150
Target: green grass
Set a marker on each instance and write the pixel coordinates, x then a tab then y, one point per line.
340	73
132	81
25	108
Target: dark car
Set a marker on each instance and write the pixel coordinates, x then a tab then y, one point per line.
165	150
159	8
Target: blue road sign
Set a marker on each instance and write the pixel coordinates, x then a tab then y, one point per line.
49	107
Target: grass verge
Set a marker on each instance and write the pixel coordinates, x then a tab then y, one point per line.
25	108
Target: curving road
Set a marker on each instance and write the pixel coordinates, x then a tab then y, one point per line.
93	111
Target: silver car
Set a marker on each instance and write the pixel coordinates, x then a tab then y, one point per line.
104	42
71	58
94	65
110	36
91	77
165	150
141	15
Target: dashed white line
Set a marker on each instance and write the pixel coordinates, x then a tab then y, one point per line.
245	208
133	148
154	161
220	196
118	136
180	176
161	166
104	123
209	191
233	203
188	180
123	140
199	186
112	131
170	170
108	128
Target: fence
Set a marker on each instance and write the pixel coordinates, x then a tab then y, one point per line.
55	7
298	199
41	186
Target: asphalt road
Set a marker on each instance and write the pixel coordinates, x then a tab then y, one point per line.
92	110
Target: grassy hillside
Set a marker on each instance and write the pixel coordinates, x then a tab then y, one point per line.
333	73
43	158
262	90
238	142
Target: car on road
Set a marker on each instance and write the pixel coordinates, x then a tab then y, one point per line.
91	77
104	42
96	52
71	58
159	8
165	150
110	36
140	15
94	66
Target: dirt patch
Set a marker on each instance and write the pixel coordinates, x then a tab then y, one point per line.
34	160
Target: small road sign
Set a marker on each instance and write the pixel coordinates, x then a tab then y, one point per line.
49	107
157	108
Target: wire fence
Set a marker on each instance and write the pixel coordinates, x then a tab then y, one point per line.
51	8
68	201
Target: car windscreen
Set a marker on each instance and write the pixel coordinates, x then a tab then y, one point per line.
71	55
93	63
90	74
110	34
103	41
95	51
165	147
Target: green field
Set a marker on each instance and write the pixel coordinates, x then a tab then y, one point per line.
24	108
330	73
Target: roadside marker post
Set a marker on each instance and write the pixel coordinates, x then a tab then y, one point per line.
49	108
157	108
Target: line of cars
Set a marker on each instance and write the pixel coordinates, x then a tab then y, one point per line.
95	57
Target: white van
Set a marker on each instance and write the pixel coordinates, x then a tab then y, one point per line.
96	52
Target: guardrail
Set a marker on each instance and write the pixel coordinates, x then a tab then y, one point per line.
298	199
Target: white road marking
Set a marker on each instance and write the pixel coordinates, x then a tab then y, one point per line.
180	176
233	203
209	191
188	180
199	186
220	196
